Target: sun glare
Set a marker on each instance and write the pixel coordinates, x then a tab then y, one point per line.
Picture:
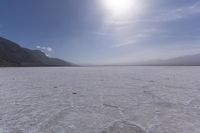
120	8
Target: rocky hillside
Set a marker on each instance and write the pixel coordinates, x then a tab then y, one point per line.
12	54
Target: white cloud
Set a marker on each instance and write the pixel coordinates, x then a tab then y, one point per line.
45	49
49	49
38	47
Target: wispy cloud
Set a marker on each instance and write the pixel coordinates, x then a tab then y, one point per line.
45	49
178	13
163	16
138	37
100	33
149	27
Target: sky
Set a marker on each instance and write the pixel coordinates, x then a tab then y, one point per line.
104	31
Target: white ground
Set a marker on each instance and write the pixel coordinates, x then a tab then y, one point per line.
100	100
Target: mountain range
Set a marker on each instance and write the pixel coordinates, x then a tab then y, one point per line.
187	60
12	54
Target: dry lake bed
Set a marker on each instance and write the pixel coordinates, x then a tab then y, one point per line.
100	100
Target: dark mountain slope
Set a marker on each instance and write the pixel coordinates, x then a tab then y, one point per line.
11	54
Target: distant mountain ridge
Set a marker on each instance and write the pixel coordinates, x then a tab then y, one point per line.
12	54
187	60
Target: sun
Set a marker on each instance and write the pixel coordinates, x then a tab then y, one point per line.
120	8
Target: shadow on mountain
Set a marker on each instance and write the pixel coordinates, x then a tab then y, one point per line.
12	54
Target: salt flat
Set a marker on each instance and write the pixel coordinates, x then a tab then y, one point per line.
100	100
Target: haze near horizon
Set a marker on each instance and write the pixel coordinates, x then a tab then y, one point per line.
104	31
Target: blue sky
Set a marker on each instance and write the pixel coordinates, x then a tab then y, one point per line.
102	32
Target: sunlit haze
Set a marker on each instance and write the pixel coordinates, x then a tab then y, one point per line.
120	8
104	31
